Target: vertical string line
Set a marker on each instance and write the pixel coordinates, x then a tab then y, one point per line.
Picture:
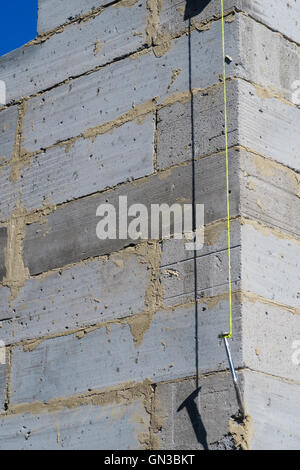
228	335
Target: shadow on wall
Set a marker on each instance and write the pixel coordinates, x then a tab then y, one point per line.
193	8
191	407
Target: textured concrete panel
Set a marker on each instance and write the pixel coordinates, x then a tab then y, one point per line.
53	13
257	121
268	58
268	126
8	126
113	426
270	265
105	358
195	128
88	165
175	15
70	232
103	96
215	240
270	193
78	296
276	14
179	279
272	404
271	336
78	48
196	418
8	193
4	304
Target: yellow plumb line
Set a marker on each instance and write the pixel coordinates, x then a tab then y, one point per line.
227	176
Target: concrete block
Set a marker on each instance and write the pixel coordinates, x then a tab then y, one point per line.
269	401
107	358
175	15
70	232
268	126
272	404
262	181
215	240
8	193
3	240
180	284
277	15
8	126
191	420
271	333
270	265
265	185
255	120
55	13
61	174
104	95
78	296
264	264
268	58
112	426
78	48
195	128
4	301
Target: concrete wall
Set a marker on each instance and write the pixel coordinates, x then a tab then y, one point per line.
107	341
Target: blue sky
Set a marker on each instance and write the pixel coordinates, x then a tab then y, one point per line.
18	23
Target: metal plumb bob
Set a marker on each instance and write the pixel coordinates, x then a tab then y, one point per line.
234	378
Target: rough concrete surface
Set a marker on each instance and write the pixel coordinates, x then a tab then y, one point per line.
115	343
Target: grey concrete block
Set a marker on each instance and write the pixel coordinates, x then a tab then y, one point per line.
70	232
272	404
78	48
270	265
196	418
269	401
196	128
55	13
215	239
270	193
271	334
268	58
3	240
112	426
255	120
8	193
4	307
276	14
67	365
103	96
82	295
264	264
268	126
206	275
175	15
8	126
262	181
61	174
